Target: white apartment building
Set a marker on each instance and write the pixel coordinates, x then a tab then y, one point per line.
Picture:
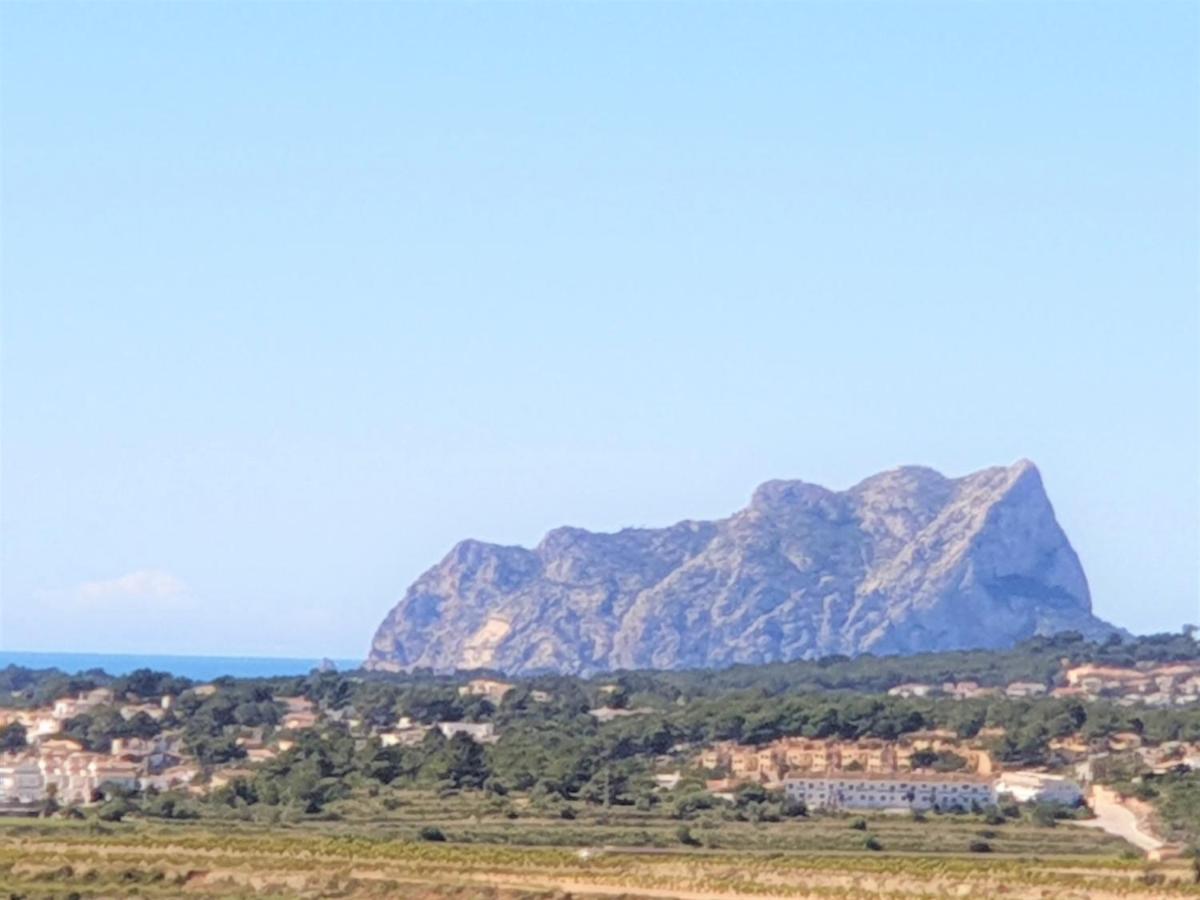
846	790
21	781
1038	787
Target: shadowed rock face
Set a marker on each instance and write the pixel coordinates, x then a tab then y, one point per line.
906	561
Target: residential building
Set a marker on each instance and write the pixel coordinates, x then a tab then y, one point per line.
912	689
847	790
493	690
224	777
403	737
176	777
1039	787
480	732
791	757
21	780
1025	689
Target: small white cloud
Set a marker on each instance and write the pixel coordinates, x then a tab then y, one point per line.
144	584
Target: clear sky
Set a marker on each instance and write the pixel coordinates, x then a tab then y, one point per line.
295	296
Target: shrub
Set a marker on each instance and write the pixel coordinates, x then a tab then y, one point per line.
793	809
872	843
431	833
1044	815
114	810
684	835
859	824
979	847
691	803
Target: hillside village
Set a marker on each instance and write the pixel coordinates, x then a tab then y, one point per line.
49	765
1175	684
196	740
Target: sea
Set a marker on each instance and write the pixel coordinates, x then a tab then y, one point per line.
199	668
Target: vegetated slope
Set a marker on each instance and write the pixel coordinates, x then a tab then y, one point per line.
906	561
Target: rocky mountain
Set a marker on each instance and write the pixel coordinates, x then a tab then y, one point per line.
906	561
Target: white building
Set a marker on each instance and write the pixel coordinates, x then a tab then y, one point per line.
21	780
846	790
1025	689
912	689
668	780
403	737
180	776
482	732
1038	787
41	725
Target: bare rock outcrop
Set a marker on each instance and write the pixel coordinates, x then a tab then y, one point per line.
906	561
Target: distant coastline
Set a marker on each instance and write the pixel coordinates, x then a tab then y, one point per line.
201	668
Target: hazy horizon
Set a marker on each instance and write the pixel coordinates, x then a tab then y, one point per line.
295	297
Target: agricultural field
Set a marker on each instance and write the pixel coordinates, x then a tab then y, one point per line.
468	818
472	857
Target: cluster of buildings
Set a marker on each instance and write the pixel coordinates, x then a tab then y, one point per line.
45	721
1172	684
52	765
408	733
299	713
62	769
969	690
790	757
877	774
495	691
1170	755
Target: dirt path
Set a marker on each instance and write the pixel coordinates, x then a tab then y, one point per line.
1117	819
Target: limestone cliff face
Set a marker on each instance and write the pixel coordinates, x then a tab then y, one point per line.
906	561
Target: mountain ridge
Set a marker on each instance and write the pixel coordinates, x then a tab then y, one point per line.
904	561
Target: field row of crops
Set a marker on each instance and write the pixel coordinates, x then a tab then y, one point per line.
464	822
170	861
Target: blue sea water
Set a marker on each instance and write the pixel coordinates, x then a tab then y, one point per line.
200	668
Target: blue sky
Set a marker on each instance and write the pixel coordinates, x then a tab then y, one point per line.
295	296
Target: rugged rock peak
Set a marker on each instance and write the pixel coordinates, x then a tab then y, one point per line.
905	561
786	496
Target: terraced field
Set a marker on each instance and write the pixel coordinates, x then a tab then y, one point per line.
138	859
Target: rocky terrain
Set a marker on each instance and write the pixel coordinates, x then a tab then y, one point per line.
906	561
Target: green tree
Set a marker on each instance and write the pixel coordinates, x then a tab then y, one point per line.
12	737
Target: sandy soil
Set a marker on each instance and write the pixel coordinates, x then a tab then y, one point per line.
1118	819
